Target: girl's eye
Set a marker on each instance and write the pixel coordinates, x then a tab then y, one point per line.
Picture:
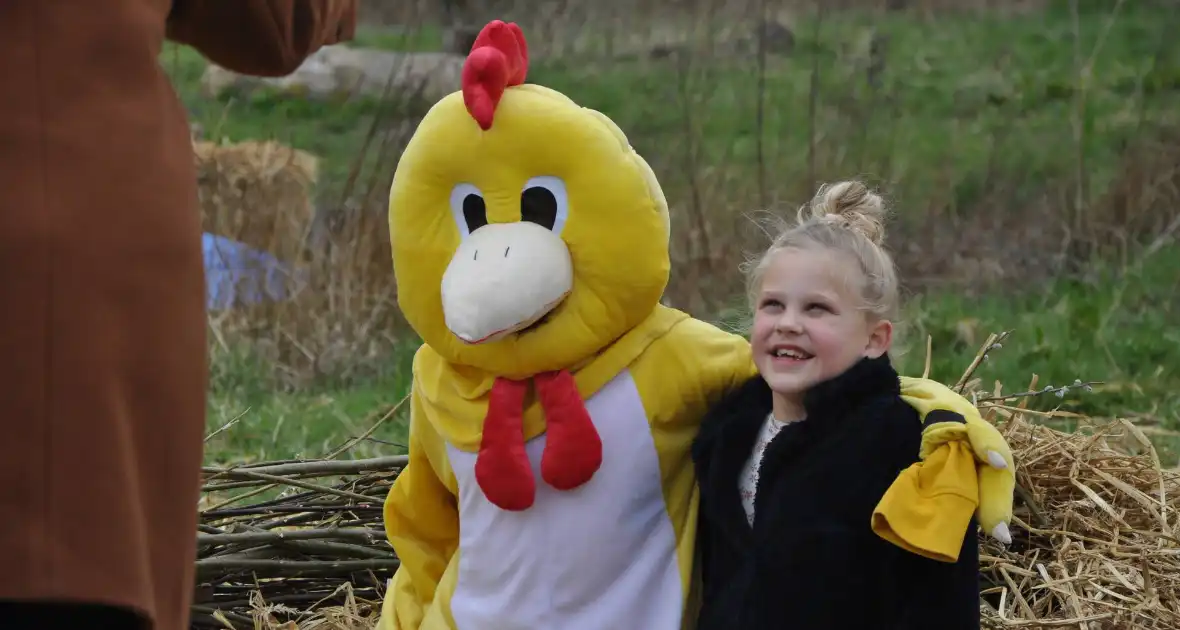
819	307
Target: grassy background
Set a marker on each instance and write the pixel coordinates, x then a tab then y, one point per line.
1031	160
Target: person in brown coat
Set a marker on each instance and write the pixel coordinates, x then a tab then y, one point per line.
102	325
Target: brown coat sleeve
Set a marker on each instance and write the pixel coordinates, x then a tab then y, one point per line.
261	37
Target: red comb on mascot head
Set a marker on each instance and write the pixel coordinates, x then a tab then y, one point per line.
499	59
530	247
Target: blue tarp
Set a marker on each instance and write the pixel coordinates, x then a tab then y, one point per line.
239	275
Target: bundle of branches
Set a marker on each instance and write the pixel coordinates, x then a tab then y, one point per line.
314	554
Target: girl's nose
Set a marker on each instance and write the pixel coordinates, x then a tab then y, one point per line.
789	322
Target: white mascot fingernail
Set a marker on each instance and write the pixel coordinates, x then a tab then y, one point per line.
996	460
1000	532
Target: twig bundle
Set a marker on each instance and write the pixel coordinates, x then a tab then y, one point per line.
317	551
1094	533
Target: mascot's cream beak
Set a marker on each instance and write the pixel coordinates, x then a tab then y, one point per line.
503	278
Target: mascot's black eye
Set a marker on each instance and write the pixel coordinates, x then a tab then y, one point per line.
475	213
538	205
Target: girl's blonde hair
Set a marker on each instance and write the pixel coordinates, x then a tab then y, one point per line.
849	219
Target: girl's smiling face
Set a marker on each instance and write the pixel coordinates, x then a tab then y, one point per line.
809	324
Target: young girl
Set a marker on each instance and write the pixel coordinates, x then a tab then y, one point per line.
792	465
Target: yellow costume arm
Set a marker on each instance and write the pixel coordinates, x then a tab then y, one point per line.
422	523
944	415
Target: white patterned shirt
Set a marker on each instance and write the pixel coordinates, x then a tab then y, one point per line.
748	482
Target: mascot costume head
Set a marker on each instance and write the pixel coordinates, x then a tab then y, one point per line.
527	236
554	400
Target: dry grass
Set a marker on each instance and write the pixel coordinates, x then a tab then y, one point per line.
341	318
1095	543
1094	535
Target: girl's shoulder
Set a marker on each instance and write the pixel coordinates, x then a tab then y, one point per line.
885	426
864	403
750	398
746	404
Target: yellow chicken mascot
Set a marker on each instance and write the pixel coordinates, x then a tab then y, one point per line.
554	400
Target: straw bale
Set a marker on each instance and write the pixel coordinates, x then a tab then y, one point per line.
1094	534
258	193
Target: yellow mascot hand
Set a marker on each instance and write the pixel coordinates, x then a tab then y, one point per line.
946	417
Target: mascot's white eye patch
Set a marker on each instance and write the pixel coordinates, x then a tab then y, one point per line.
544	201
468	208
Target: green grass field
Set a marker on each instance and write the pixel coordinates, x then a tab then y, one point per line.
964	107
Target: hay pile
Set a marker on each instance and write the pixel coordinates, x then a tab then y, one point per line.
1094	543
258	193
1094	539
1094	535
1094	531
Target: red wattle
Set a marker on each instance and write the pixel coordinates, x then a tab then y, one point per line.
502	467
573	448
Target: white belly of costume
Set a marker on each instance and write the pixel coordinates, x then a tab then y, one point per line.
599	557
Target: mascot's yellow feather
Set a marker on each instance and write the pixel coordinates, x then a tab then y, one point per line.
554	399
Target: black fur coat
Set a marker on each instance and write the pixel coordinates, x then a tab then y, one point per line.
811	560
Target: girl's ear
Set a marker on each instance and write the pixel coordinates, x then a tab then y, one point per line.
880	338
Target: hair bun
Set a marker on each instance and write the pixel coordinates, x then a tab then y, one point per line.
852	205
